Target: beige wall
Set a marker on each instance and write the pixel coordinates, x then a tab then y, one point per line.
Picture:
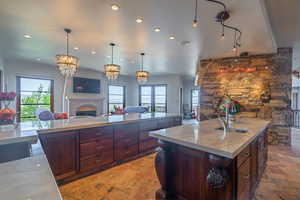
32	69
13	68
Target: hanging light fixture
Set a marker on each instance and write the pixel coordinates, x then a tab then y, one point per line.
112	71
142	76
67	64
195	22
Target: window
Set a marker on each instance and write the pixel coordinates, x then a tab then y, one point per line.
33	94
116	97
154	97
194	100
295	101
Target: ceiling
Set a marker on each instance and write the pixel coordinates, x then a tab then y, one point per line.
284	19
95	25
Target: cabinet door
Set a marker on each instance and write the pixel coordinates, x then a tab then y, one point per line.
61	150
126	141
254	166
244	181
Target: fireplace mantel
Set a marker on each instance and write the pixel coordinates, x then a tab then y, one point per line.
74	103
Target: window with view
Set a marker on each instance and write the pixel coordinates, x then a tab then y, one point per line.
116	97
154	97
33	94
195	100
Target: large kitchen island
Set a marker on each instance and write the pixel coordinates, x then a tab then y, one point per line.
202	162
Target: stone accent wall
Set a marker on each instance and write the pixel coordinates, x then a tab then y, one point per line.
261	83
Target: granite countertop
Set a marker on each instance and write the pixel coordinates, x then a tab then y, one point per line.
28	131
205	137
9	134
28	179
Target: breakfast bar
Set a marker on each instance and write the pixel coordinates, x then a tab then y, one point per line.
202	161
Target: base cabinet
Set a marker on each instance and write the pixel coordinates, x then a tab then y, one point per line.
74	154
61	150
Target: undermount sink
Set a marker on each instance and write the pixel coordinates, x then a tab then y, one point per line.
238	130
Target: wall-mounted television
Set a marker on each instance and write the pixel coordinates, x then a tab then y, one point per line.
86	85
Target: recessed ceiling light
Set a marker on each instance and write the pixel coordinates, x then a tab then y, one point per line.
185	43
139	20
27	36
38	59
108	56
172	37
157	29
115	7
93	52
76	48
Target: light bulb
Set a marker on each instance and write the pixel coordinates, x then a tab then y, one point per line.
222	36
195	23
234	48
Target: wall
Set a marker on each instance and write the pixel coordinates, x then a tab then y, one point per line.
262	84
13	68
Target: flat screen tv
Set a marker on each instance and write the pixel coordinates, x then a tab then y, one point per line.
86	85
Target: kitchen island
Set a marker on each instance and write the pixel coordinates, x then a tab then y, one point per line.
202	162
82	146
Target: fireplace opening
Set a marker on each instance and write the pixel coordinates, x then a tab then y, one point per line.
86	111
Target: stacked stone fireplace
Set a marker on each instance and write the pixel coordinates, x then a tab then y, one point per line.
85	106
261	84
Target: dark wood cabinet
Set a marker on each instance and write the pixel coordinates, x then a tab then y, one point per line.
126	141
96	148
73	154
254	166
244	180
190	174
61	150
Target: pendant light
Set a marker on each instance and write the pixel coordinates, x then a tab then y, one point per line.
195	21
112	71
67	64
142	76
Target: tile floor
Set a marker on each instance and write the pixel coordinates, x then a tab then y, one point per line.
137	180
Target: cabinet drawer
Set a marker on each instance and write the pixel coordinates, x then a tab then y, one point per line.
90	134
164	123
144	136
101	159
148	145
124	151
148	125
126	131
92	148
243	155
177	121
244	181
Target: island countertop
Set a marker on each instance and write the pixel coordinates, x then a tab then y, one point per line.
28	178
205	136
28	131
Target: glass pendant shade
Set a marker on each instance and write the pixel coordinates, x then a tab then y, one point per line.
112	71
142	76
67	64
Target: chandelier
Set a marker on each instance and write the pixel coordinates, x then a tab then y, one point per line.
112	71
142	76
67	64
